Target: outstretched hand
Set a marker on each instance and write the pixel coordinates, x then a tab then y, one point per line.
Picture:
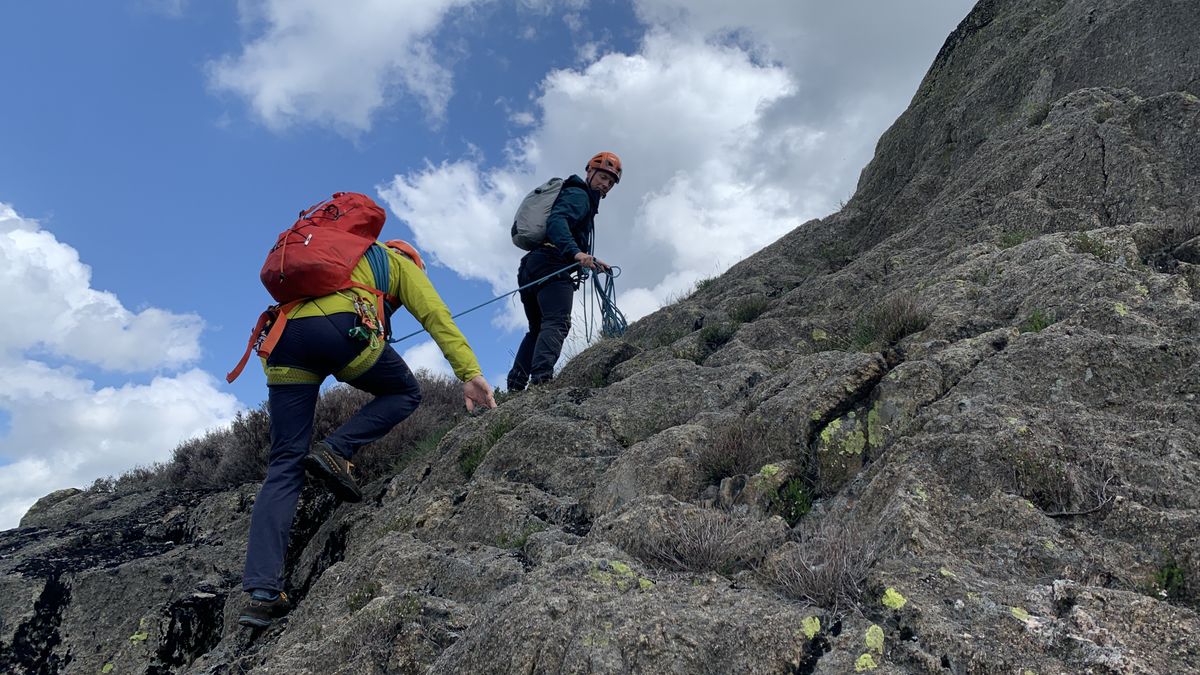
477	391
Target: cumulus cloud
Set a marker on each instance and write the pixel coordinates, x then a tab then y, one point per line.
335	64
63	429
735	123
49	304
689	205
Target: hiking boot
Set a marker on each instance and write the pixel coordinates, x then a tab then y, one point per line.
325	464
260	613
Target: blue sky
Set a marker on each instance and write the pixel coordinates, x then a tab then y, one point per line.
152	150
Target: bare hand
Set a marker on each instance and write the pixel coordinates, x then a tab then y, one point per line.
477	391
591	262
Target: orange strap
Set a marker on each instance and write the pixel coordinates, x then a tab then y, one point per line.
277	316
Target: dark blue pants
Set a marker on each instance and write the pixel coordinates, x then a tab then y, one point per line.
548	311
321	345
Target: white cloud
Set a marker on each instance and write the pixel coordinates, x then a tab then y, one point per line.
427	356
49	304
63	429
688	206
335	64
735	123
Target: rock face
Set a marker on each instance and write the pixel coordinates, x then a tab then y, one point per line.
971	403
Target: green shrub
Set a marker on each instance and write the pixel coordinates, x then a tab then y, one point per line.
517	540
1169	581
835	254
1011	238
885	324
1087	244
793	501
749	309
1036	321
712	338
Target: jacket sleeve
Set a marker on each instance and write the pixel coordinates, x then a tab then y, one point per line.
421	300
572	206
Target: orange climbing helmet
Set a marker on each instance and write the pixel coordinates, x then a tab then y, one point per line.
606	161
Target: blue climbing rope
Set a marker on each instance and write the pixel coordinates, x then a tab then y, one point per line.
612	321
498	297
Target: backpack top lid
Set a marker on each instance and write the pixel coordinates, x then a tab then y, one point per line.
529	223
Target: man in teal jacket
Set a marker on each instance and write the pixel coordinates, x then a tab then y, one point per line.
568	239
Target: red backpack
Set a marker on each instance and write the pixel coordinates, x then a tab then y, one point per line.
314	257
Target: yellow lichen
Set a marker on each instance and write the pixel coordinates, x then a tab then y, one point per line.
947	573
865	662
602	577
875	639
829	431
645	584
892	599
621	568
139	636
108	667
919	493
875	425
1119	308
819	335
1020	613
769	470
811	625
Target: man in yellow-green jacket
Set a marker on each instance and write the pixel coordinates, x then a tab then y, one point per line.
340	334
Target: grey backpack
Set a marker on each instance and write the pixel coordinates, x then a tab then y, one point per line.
529	225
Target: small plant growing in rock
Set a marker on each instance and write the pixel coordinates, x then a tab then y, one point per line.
835	254
361	595
517	540
1036	113
793	501
749	309
740	448
472	456
701	540
1169	582
712	338
826	567
886	324
1011	238
1087	244
1037	320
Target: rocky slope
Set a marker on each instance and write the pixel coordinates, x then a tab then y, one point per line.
981	374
